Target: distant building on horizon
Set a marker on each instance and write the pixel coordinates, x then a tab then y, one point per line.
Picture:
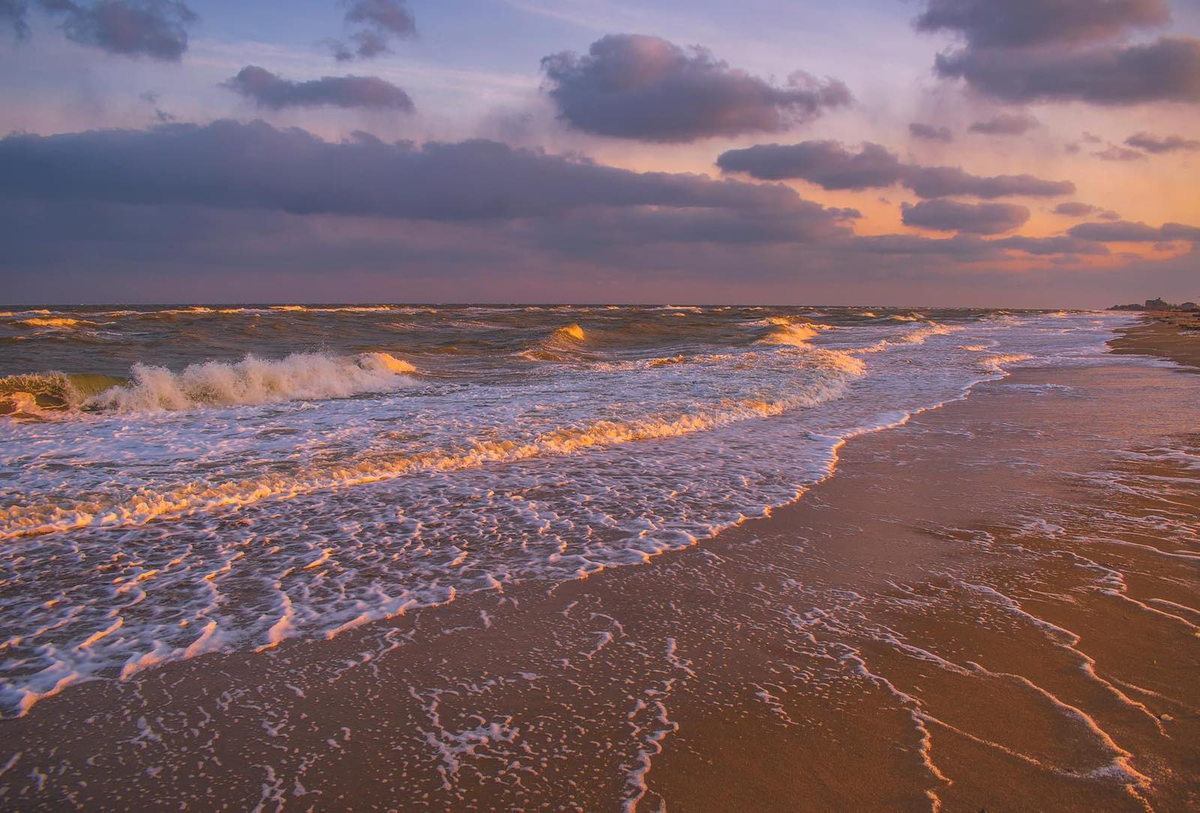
1157	305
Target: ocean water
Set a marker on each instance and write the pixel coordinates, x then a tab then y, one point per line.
177	481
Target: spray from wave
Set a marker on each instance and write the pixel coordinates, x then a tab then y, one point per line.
251	381
301	376
785	331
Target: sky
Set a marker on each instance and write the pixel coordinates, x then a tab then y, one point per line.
992	153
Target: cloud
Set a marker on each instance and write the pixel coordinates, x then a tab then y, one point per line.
1167	69
937	182
1064	50
961	246
648	89
1115	153
1049	246
928	132
386	15
1005	124
1160	144
378	21
830	165
230	210
1075	209
228	165
972	218
150	28
826	163
13	12
1036	22
1123	231
267	90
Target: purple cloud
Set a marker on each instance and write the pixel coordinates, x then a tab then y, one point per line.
1075	209
268	90
927	132
648	89
1036	22
1008	124
378	21
150	28
971	218
1062	50
1123	231
830	165
1160	144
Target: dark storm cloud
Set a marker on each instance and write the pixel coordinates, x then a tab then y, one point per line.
971	218
1037	22
13	12
648	89
255	166
1062	50
1005	124
378	22
928	132
266	89
1075	209
1167	69
830	165
151	28
1123	231
1160	144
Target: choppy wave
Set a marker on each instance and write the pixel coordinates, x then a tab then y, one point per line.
53	321
831	372
918	336
301	376
251	381
785	330
45	396
562	345
222	528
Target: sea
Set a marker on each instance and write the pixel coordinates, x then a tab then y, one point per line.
181	480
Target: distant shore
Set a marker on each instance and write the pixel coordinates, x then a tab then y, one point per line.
1170	335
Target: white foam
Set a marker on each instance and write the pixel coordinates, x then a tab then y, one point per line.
302	376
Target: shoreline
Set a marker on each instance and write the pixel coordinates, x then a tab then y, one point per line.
1170	336
886	625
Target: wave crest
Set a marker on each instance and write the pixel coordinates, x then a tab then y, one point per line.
53	321
788	332
301	376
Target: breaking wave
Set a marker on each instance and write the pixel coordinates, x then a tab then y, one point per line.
251	381
562	345
298	377
832	373
788	332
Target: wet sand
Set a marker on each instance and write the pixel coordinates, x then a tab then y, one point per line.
1173	336
995	606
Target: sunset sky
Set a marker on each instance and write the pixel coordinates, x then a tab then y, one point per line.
928	152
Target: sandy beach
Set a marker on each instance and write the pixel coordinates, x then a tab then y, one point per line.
991	607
